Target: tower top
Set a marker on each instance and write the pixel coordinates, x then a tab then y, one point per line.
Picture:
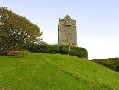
67	17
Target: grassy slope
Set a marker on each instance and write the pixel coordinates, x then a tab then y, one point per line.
54	72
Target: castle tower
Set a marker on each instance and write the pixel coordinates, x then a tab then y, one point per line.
67	34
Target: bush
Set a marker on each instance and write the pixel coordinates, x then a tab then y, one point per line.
112	63
64	49
79	52
3	52
74	51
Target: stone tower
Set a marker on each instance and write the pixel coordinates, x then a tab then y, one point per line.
67	34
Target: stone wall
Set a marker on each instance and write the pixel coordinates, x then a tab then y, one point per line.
67	34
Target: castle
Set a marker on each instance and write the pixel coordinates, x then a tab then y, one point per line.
67	34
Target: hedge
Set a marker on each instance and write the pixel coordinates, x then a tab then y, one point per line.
112	63
74	51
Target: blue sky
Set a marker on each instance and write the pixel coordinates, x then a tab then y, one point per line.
97	21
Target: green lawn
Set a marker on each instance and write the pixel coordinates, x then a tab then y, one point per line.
54	72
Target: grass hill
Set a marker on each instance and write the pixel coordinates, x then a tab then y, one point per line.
54	72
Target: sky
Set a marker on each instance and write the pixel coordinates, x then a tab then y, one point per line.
97	22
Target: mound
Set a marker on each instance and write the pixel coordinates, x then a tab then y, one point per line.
54	72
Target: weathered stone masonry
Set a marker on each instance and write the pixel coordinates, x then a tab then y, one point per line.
67	34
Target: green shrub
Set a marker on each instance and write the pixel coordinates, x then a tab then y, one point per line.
53	49
112	63
79	52
44	48
64	49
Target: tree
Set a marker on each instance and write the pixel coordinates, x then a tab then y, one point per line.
16	31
